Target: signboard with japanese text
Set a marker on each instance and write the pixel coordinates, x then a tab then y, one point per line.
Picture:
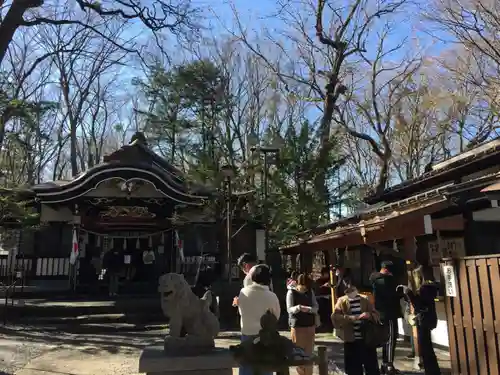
450	281
445	248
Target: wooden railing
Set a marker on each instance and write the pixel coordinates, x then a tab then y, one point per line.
35	267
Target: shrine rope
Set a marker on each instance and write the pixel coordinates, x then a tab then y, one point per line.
147	235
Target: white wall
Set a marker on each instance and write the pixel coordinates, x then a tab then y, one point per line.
439	335
260	244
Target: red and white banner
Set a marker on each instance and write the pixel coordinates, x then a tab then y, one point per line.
75	251
180	245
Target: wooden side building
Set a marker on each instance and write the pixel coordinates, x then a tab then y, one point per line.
447	216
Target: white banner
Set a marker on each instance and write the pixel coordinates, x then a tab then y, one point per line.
75	251
450	281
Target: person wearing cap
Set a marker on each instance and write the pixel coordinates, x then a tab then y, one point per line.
387	303
254	301
247	263
343	276
291	282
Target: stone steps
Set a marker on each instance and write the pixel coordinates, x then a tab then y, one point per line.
80	311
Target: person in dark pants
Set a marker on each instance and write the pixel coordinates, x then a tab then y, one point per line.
113	263
351	311
323	293
302	308
424	305
387	303
149	267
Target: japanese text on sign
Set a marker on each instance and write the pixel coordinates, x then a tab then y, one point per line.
450	281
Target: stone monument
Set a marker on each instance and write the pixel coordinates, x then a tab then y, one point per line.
189	348
187	313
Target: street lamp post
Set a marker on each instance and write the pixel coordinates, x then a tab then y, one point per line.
228	173
268	152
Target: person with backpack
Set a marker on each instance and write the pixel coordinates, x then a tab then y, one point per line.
302	309
387	303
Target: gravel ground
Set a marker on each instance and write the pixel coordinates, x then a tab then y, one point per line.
34	351
26	350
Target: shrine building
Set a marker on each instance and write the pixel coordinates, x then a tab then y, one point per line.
134	201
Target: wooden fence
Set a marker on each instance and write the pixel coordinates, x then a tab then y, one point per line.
474	316
35	267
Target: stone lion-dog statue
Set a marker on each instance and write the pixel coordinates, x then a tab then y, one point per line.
186	311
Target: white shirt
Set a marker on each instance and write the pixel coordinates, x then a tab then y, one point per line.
253	302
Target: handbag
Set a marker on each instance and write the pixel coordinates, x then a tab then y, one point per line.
376	334
412	320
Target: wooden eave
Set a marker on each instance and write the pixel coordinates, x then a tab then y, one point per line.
395	220
373	212
395	225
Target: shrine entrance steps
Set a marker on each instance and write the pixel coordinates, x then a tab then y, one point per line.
86	312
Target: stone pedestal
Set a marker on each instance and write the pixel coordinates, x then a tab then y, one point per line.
155	361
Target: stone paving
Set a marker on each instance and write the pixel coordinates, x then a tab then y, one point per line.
30	351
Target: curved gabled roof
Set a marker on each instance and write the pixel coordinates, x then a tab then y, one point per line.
170	187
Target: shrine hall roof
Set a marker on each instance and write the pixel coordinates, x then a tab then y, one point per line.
134	161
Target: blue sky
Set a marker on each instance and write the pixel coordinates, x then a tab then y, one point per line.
257	15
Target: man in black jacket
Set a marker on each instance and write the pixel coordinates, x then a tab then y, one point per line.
387	303
113	263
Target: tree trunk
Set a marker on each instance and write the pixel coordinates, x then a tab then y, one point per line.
10	24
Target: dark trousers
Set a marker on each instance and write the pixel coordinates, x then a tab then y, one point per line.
150	274
389	349
114	282
358	356
325	312
429	360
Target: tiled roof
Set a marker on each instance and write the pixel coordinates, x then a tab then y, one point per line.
382	212
443	167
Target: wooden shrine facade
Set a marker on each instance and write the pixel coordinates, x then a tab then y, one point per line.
133	201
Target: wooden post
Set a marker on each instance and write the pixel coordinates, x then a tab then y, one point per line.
333	282
322	361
